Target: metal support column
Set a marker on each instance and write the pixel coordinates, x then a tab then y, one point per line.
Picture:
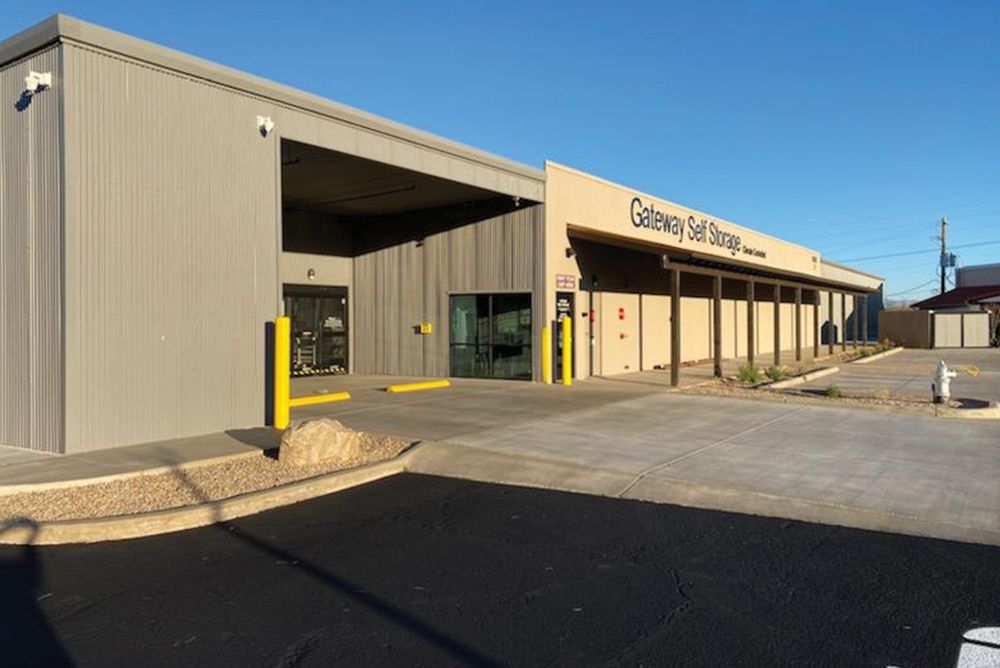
864	320
854	326
777	324
751	339
816	329
675	327
798	324
717	325
843	321
831	335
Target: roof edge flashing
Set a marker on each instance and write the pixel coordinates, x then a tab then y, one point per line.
62	27
34	38
847	267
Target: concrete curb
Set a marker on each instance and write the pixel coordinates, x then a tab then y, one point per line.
987	413
19	488
122	527
804	378
662	489
877	356
453	460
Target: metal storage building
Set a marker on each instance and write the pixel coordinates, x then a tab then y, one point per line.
157	211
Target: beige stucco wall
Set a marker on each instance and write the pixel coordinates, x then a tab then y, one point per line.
655	331
618	344
580	203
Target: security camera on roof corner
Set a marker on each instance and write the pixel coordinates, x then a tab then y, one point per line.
265	125
37	81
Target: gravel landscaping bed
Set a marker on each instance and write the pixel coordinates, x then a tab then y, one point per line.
871	400
174	489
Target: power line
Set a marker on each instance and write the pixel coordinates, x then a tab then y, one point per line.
903	292
917	252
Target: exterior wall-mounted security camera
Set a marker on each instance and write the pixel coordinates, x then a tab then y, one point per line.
265	125
37	81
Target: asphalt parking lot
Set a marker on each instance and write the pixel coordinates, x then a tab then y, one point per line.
426	571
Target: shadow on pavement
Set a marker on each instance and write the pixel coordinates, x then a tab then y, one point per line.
26	637
265	438
455	648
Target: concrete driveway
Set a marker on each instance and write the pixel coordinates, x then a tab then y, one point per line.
918	475
909	373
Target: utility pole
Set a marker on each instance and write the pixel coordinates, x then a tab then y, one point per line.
944	252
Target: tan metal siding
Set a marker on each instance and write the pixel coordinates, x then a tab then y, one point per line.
397	288
31	400
171	254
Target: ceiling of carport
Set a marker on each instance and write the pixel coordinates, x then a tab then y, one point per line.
322	181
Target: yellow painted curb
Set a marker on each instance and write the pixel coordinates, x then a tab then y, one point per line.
319	399
414	387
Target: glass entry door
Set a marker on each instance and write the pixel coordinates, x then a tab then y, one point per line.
491	335
319	329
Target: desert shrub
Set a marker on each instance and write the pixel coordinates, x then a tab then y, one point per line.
833	392
882	393
776	372
866	352
885	344
749	374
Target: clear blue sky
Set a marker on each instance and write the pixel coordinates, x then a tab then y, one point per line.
850	127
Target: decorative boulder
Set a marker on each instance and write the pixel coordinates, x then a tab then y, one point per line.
319	441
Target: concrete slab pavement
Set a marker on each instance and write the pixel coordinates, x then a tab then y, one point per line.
910	372
869	470
55	470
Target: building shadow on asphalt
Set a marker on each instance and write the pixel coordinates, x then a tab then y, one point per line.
26	636
393	614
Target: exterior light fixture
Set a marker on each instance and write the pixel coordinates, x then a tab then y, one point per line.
265	125
37	81
570	251
311	274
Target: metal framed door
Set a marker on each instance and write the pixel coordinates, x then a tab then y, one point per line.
319	329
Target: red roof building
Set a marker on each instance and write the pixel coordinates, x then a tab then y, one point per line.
973	295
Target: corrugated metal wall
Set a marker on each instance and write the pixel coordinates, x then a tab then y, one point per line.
171	253
31	401
397	288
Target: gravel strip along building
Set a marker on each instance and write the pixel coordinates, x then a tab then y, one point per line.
158	211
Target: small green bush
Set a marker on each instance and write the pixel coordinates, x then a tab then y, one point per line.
749	374
776	373
833	392
886	344
866	352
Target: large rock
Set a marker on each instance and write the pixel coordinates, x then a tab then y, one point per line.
318	441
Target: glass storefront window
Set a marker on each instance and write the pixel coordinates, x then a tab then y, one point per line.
491	336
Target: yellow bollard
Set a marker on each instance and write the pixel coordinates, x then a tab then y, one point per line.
282	370
546	354
567	354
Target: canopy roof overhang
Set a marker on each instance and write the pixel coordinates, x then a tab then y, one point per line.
694	262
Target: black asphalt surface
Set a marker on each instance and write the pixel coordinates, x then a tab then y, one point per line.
424	571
